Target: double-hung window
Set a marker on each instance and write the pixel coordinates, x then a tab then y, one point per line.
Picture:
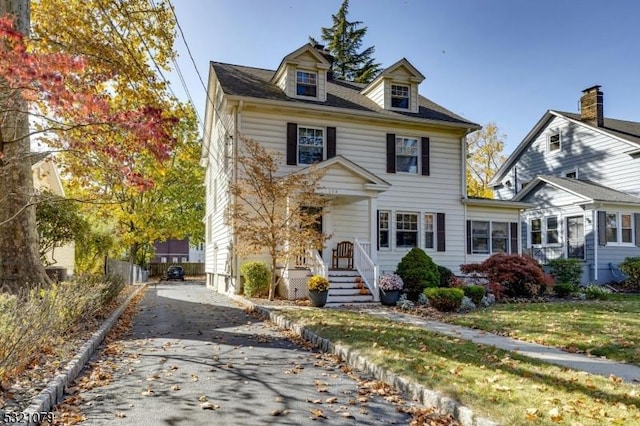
499	237
612	227
399	96
406	154
536	231
619	228
626	228
406	230
479	237
554	142
306	84
383	229
552	230
310	145
429	231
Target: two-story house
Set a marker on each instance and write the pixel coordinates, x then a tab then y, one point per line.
394	165
582	173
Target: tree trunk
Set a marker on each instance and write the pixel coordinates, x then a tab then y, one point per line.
20	265
274	278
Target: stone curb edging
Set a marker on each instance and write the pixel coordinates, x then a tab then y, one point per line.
54	391
427	397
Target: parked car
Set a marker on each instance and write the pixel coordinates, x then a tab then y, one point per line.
175	273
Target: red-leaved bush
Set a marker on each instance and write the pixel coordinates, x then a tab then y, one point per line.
510	275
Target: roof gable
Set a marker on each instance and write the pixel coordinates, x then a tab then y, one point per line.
627	132
402	70
588	191
305	53
370	180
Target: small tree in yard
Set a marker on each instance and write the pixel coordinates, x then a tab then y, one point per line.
274	212
418	271
511	275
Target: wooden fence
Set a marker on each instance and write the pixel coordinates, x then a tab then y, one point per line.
190	269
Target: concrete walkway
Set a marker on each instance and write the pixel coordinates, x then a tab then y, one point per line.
603	367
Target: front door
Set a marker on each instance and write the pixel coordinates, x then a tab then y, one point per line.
575	237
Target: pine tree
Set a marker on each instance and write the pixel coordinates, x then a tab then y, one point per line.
344	40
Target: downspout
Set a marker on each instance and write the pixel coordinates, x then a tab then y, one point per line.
463	186
236	137
595	243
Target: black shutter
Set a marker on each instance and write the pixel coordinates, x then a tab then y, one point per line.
378	228
331	142
468	237
391	153
292	143
426	169
513	235
440	230
602	228
636	220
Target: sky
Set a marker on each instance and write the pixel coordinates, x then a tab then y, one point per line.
500	61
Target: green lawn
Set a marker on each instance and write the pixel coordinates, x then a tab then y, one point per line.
601	328
508	388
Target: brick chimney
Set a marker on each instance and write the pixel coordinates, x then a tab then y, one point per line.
591	106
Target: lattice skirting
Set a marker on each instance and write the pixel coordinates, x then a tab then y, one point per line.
294	284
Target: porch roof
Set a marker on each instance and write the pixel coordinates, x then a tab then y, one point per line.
370	181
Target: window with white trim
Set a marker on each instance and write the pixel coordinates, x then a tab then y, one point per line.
554	143
479	237
307	84
552	230
406	230
429	231
310	145
619	228
383	229
406	154
499	237
399	96
626	228
536	232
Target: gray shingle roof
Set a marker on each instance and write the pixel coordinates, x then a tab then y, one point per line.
591	190
629	130
256	83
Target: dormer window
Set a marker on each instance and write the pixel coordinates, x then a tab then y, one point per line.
554	142
399	96
307	84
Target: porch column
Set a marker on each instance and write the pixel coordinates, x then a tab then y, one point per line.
373	229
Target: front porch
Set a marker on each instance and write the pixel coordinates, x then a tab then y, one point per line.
347	286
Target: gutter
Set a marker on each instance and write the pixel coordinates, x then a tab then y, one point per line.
236	138
342	112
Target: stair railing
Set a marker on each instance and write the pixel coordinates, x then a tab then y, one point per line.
366	268
316	264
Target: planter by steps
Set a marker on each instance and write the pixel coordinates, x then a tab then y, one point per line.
389	297
318	298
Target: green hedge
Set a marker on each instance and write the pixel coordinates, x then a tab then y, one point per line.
257	277
444	299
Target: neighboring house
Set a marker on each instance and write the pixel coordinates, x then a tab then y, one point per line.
171	251
582	172
394	163
47	178
196	253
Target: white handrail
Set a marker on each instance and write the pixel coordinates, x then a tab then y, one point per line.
366	268
316	264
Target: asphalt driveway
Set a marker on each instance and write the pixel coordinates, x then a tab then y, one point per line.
195	357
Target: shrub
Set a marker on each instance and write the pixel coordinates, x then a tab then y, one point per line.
417	271
404	303
445	299
564	289
318	283
566	271
390	282
474	292
257	277
511	275
467	305
446	277
594	291
630	266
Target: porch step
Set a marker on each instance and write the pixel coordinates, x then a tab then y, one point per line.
344	289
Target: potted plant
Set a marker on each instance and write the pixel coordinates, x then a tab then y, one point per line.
318	289
390	286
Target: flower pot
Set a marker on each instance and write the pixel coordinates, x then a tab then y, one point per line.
318	298
389	297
